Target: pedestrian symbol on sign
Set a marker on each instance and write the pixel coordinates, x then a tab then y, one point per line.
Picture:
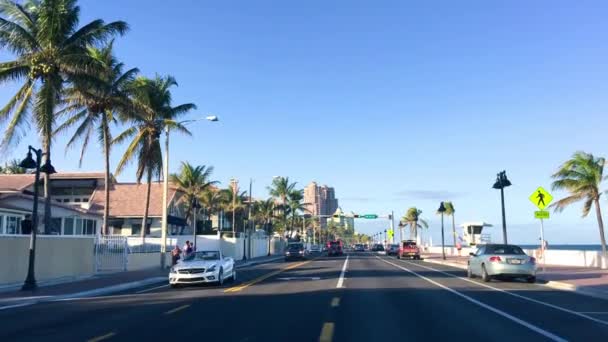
541	199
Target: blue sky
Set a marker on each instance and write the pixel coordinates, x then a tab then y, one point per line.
394	103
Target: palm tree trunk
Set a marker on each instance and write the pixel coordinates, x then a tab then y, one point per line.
144	222
454	229
600	223
47	190
106	177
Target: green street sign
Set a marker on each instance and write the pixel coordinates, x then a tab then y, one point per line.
370	216
541	214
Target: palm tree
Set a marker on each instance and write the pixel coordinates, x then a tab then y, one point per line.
295	204
264	212
152	99
233	203
280	190
449	211
50	51
211	201
192	181
94	107
581	177
413	219
12	168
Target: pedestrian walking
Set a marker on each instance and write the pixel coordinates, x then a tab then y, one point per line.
192	248
175	255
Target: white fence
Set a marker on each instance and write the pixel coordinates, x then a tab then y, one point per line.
111	253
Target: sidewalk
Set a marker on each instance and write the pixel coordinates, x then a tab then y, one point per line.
98	285
589	281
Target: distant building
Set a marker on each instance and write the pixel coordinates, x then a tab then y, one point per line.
346	220
321	200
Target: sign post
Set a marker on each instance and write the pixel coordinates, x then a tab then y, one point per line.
541	199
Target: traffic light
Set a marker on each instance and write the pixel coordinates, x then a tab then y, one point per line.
356	215
336	216
390	217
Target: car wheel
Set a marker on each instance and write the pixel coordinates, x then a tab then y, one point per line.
531	279
470	272
220	277
173	286
398	256
484	274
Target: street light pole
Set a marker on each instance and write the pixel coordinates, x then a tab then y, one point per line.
501	183
29	163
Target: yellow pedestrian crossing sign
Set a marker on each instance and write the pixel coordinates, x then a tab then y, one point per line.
541	198
391	233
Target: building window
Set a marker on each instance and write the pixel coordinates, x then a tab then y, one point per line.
136	229
68	226
89	227
55	228
1	224
13	225
79	226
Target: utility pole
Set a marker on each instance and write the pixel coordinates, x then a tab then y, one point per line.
234	194
164	225
249	215
392	227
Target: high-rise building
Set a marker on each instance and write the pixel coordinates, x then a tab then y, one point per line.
321	200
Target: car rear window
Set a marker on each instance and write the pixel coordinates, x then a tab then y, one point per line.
409	244
334	243
504	249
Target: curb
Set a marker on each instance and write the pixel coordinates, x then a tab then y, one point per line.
84	294
558	285
110	289
253	263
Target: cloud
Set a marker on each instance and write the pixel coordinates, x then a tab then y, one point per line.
437	195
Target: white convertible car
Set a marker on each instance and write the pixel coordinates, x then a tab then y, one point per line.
202	267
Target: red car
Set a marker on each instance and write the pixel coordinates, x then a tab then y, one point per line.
334	248
409	249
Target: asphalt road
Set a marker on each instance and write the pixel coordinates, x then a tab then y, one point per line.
378	299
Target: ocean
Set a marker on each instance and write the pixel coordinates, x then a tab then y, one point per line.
566	247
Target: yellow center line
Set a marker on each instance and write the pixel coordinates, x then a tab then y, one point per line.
102	337
179	308
335	302
264	277
327	332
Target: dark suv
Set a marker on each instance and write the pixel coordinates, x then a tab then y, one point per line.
295	251
334	248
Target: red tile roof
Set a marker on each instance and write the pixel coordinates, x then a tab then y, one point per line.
16	183
129	199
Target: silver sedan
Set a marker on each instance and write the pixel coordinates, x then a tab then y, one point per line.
501	261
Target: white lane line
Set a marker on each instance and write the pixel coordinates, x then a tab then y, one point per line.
16	305
152	289
579	314
483	305
595	312
341	280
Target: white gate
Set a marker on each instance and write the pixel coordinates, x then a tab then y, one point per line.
111	253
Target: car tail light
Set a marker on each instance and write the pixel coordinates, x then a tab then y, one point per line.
532	260
495	259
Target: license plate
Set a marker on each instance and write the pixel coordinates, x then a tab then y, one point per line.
514	261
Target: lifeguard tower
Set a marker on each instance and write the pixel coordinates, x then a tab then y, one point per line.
473	233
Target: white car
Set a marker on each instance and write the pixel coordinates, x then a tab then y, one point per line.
202	267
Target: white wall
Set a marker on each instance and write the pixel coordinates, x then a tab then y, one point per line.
554	257
56	257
